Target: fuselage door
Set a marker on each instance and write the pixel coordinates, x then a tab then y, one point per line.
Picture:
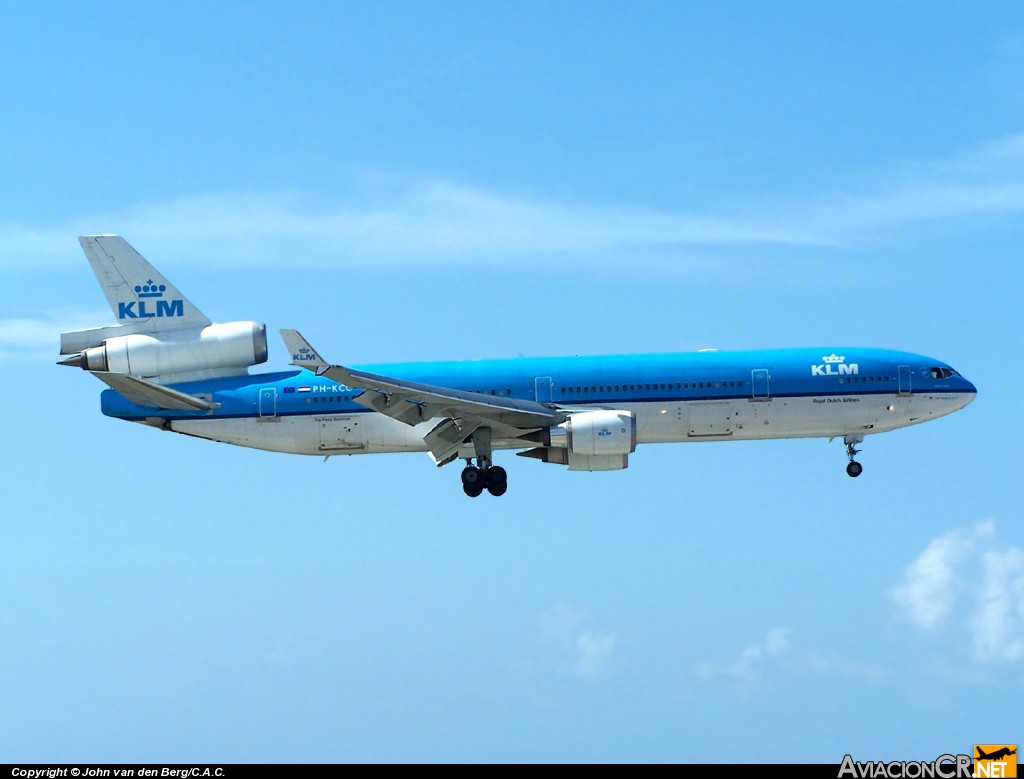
543	389
905	374
759	384
268	402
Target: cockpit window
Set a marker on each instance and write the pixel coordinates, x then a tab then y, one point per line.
943	373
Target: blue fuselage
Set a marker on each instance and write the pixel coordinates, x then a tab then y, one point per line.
659	379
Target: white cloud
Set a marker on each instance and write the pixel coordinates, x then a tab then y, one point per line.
969	573
998	625
438	222
927	592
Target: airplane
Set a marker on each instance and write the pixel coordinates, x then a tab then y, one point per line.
999	754
170	367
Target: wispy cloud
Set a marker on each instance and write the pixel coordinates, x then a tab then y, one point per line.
776	655
748	666
582	651
34	339
428	222
445	222
968	573
595	652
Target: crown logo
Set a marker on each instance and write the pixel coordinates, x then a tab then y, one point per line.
303	350
150	290
833	358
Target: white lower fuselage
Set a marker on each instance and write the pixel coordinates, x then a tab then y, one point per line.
827	416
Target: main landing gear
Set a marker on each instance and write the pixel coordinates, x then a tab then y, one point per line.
854	469
476	480
483	475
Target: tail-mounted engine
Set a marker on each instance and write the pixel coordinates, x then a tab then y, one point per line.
180	355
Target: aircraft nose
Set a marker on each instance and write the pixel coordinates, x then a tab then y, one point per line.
971	391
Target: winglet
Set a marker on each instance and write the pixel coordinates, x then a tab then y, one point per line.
302	353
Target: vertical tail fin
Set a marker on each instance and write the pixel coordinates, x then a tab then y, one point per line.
138	293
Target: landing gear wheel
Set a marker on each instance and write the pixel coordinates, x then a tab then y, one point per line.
854	469
473	477
483	475
497	481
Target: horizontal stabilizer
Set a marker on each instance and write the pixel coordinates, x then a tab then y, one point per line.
146	393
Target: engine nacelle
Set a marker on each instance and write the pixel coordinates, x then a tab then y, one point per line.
233	346
595	433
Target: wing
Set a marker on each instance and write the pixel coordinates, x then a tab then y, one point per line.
461	413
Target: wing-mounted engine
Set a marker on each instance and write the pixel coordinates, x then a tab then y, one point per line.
588	441
181	355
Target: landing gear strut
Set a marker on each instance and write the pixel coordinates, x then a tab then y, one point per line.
854	469
483	475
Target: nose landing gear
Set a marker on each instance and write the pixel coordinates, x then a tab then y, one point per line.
854	469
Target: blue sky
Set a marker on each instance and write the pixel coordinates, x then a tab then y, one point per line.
407	181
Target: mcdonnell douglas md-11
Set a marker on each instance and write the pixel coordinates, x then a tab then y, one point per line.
168	366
